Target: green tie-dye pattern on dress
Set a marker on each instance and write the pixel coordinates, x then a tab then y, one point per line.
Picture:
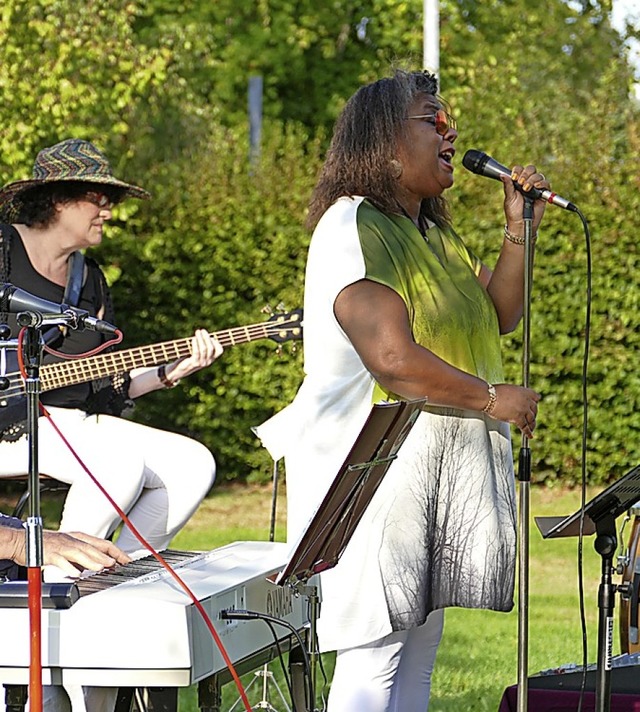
447	530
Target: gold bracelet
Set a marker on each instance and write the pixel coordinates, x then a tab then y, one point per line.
164	379
493	399
516	239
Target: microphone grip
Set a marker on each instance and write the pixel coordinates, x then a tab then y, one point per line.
5	293
533	192
546	195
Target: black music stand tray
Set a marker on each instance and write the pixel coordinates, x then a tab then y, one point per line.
598	517
325	538
328	533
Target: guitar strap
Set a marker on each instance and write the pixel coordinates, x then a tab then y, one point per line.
75	274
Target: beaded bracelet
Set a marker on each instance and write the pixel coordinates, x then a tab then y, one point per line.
493	399
517	239
164	379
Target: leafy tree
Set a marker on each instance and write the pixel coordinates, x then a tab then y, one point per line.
70	69
221	243
311	55
162	86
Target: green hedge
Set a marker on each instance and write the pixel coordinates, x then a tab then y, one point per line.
221	241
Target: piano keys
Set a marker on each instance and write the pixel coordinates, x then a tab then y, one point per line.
145	631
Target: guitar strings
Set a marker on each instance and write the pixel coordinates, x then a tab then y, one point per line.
80	368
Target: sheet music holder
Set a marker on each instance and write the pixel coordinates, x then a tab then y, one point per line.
612	502
328	533
599	517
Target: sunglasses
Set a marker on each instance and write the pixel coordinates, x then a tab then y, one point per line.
101	200
442	121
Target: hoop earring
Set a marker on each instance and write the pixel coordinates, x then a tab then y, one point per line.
396	168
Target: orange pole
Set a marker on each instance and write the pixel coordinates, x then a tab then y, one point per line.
34	582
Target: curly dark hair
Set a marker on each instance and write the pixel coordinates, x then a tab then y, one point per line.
36	206
364	142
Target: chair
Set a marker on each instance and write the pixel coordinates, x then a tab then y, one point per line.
47	485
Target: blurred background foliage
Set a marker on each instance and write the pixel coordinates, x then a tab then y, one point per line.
161	86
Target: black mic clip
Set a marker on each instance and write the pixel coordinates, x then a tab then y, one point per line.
35	311
75	319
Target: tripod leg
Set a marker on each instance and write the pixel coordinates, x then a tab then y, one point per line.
163	699
124	699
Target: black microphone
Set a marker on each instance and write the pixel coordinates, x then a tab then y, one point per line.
478	162
15	300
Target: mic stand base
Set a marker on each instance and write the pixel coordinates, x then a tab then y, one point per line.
605	544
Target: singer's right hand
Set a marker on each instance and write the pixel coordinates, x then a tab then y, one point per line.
517	405
527	177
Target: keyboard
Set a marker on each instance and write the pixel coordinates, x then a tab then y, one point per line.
134	626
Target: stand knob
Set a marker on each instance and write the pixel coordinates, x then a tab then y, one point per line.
606	544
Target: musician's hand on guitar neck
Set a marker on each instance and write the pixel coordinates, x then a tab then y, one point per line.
205	349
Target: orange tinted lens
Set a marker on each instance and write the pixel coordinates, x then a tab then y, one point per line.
442	122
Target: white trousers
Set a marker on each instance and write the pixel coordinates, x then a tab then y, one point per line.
392	674
158	478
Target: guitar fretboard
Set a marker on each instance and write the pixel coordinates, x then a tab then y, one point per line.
70	372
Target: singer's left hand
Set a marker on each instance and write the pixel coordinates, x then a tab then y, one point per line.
527	177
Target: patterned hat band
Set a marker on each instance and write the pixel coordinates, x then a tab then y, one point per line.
69	160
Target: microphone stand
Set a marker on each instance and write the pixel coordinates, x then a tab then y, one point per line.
33	346
32	352
524	472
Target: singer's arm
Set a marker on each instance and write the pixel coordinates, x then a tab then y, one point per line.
505	284
384	341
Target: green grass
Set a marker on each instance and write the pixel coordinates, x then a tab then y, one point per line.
477	659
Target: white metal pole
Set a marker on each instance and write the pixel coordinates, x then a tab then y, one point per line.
431	36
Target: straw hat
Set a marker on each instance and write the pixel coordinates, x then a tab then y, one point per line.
69	160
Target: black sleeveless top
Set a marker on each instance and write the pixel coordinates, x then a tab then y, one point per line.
108	395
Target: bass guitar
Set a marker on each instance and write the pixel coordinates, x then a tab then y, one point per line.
280	327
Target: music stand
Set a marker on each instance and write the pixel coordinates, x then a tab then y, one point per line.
599	517
326	536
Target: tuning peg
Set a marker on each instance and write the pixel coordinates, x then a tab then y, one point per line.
267	309
280	307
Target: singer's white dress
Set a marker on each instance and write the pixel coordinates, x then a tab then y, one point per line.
440	530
